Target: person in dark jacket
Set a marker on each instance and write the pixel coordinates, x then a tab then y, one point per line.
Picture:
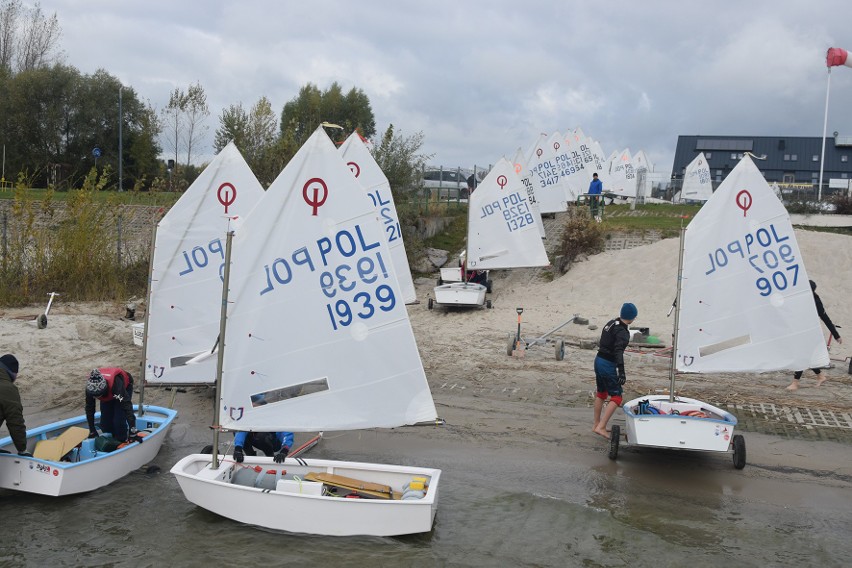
276	444
114	388
831	329
609	367
11	408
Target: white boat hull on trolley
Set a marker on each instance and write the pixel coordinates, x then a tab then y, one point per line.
460	294
88	469
279	497
684	424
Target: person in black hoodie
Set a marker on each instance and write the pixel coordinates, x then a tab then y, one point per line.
11	408
831	328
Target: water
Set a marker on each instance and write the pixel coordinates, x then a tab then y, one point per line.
545	504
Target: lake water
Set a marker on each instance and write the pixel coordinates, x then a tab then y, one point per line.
573	508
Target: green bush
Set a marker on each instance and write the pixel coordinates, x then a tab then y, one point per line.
582	237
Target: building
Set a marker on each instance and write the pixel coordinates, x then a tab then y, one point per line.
791	161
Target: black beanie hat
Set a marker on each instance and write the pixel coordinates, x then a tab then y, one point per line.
11	362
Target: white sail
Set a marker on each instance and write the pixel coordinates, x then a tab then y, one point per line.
746	303
622	177
599	162
318	337
697	184
526	179
582	145
186	284
375	183
640	162
503	231
545	174
569	167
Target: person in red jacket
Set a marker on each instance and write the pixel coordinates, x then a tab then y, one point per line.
114	388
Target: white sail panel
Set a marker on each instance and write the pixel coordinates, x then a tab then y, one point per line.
545	175
526	179
599	163
640	162
582	145
569	167
622	176
186	284
503	230
318	337
362	164
697	184
746	303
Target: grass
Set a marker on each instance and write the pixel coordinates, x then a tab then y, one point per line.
664	218
128	197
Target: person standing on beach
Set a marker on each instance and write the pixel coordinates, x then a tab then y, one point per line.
11	408
114	388
595	191
609	367
831	328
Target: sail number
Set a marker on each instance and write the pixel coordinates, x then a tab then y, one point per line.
514	208
389	220
767	253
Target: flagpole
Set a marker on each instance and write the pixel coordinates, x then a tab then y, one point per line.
824	129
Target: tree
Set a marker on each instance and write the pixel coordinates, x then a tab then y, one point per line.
302	115
254	134
172	121
195	111
28	38
401	159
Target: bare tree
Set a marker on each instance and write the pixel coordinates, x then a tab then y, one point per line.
195	112
172	120
28	38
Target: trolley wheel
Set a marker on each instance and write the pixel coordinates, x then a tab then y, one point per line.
41	322
614	438
510	344
430	304
739	451
488	284
560	350
208	449
488	304
440	281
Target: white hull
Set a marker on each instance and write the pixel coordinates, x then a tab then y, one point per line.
678	431
460	294
298	507
93	470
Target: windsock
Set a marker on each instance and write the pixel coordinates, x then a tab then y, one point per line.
837	56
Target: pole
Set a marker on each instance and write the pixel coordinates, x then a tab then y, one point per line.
824	129
120	149
226	277
147	313
677	316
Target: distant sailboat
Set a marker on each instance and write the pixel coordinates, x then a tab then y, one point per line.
697	183
549	192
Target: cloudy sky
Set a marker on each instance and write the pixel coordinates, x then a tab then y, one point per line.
481	79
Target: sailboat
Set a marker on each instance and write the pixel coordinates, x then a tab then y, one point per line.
502	232
371	177
315	338
186	271
744	304
697	184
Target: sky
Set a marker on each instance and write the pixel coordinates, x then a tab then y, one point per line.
480	79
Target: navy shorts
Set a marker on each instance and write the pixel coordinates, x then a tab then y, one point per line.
606	377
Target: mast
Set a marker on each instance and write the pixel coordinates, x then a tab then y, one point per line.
673	367
147	312
221	353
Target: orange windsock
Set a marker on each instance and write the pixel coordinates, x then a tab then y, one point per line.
837	56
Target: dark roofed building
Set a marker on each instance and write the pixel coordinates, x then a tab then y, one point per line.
792	161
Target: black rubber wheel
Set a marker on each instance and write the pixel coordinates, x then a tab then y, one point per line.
739	451
510	344
430	304
440	281
208	449
614	439
488	304
560	349
488	284
41	322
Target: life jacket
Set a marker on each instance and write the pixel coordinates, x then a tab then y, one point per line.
109	374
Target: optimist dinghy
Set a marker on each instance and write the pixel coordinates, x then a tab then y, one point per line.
503	231
744	304
317	329
66	461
